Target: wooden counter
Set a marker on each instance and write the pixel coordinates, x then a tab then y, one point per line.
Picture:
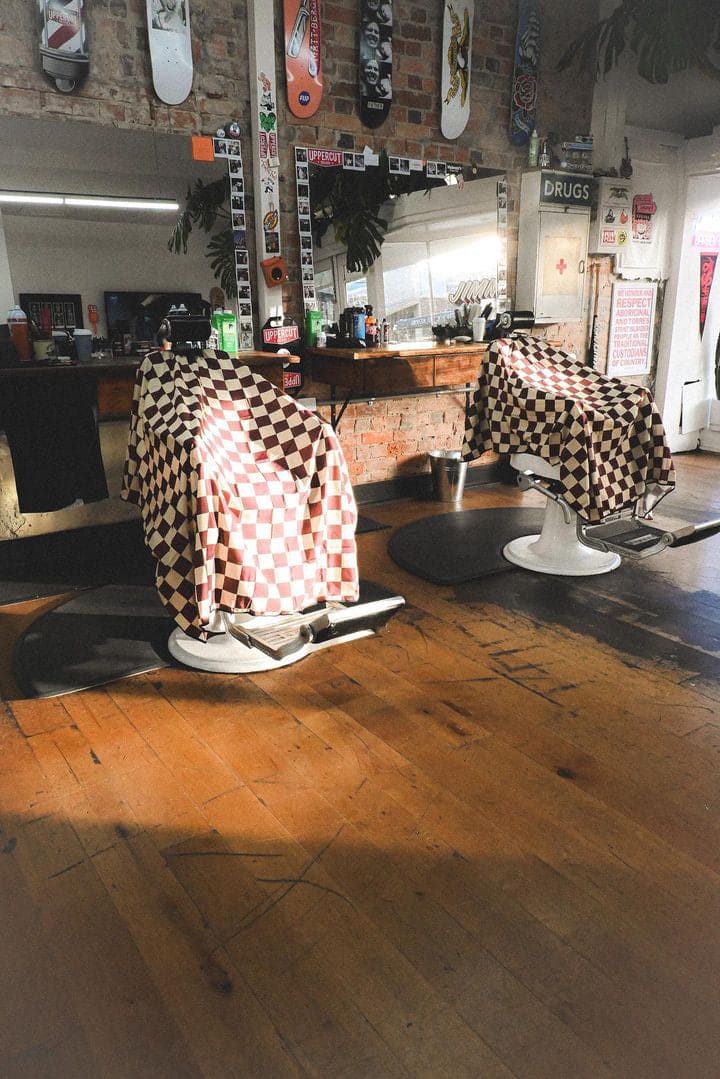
115	376
396	369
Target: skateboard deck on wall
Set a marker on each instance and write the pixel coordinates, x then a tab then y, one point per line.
524	85
456	56
375	61
170	49
63	43
303	66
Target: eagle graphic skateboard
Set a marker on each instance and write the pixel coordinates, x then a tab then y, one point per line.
375	61
170	49
63	43
456	57
303	69
524	85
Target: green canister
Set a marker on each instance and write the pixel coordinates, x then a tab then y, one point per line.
313	326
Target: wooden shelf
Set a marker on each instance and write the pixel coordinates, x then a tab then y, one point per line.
395	369
115	376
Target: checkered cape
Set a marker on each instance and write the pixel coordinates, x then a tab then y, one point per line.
245	496
607	436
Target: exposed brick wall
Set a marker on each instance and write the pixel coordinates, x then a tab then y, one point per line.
118	92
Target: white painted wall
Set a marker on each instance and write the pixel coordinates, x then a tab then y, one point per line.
685	358
6	285
55	254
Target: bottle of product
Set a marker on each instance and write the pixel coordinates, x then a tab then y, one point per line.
544	157
321	341
358	323
385	332
20	332
533	149
216	322
371	326
229	341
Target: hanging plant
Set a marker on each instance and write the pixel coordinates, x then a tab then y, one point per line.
207	207
664	36
352	202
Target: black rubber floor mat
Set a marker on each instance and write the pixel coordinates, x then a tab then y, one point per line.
450	548
102	635
94	638
368	524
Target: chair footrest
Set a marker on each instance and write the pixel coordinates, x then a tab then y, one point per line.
627	536
282	636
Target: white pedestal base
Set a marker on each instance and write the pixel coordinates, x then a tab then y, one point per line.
223	654
558	550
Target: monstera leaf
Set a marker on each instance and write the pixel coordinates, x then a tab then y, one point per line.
207	207
664	36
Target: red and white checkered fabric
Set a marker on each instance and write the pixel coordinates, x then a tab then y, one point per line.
245	496
606	435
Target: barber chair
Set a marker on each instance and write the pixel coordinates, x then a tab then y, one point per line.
570	547
592	445
558	548
247	508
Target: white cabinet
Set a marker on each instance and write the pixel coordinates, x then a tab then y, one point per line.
553	244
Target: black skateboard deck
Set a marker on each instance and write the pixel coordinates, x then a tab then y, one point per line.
375	61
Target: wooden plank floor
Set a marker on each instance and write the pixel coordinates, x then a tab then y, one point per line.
482	844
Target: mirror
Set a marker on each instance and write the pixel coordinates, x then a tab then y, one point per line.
423	242
90	251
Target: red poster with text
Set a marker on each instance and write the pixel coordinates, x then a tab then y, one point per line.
707	272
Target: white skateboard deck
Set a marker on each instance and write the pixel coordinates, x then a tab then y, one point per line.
170	49
456	57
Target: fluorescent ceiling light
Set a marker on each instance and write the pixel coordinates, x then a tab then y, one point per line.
109	203
121	204
19	196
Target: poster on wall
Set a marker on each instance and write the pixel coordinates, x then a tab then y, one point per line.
708	260
632	319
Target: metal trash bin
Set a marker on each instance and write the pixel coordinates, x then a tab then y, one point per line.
448	473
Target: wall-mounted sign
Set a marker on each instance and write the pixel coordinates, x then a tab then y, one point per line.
708	239
643	208
561	189
280	335
326	158
483	288
631	328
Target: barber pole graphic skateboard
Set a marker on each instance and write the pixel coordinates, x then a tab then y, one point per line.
63	43
524	84
170	49
375	61
456	56
303	69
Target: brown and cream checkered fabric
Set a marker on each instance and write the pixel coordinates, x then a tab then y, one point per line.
606	435
245	496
